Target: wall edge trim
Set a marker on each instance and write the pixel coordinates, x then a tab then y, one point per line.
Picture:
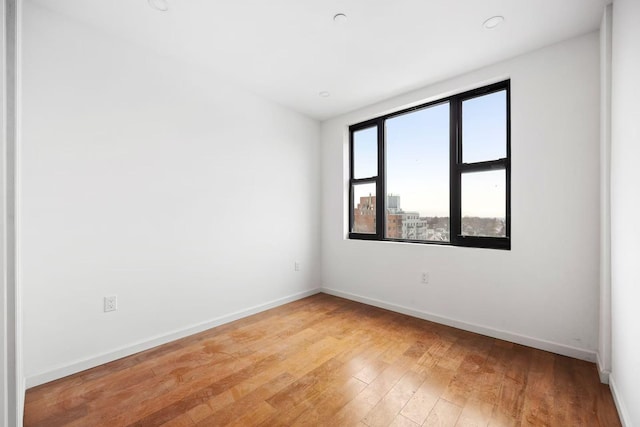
602	371
620	406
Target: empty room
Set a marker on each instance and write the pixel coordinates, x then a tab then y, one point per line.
340	213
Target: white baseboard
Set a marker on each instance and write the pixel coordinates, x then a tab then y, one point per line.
128	350
541	344
602	371
622	409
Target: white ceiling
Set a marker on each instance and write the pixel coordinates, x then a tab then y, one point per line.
290	50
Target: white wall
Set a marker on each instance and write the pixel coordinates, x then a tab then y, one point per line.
625	207
544	291
187	198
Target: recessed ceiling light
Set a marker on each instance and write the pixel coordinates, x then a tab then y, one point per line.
493	22
161	5
340	18
324	94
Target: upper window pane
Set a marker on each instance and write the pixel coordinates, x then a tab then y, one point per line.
417	174
484	127
365	153
484	204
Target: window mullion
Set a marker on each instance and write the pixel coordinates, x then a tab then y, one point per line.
454	172
381	183
351	192
500	164
373	179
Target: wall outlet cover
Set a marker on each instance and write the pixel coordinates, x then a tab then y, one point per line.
110	303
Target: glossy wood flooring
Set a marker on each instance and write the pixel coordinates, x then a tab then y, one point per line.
328	361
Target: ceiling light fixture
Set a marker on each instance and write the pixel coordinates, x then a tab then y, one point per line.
493	22
160	5
324	94
340	18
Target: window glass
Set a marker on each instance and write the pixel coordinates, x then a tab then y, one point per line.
365	153
484	128
364	208
417	174
484	204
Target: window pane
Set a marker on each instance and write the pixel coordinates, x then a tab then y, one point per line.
364	208
365	153
484	128
417	165
484	204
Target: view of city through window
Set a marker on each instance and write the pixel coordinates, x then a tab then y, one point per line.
411	225
417	172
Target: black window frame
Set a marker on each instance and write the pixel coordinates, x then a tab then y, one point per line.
456	169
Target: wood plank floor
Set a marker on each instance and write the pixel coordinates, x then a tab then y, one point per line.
328	361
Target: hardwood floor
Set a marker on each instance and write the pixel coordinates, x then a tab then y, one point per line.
328	361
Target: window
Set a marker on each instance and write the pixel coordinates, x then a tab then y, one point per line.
435	173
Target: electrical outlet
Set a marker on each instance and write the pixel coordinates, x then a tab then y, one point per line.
110	303
296	266
424	278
